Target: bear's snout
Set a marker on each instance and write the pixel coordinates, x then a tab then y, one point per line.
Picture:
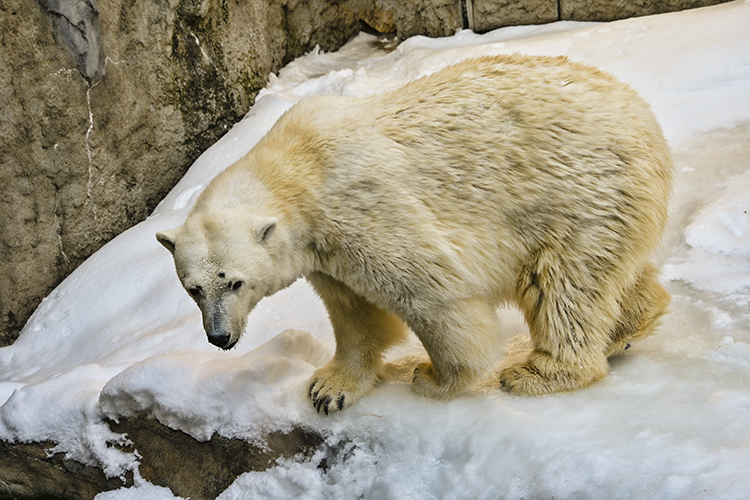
217	332
221	339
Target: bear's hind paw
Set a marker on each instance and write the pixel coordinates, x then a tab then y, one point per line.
529	379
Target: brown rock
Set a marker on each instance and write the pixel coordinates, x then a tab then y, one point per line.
610	10
486	15
27	472
106	105
202	470
433	18
169	458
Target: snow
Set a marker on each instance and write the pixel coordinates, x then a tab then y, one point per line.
120	337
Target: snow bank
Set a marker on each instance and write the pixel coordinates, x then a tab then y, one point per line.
120	337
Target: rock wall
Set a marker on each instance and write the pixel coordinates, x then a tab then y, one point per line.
30	471
486	15
106	104
169	458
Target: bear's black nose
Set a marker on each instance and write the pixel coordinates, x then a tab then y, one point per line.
220	340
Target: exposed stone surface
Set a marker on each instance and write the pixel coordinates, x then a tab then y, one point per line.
434	18
169	458
76	24
610	10
93	135
202	470
487	15
27	472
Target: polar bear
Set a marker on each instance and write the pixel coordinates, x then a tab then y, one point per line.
533	181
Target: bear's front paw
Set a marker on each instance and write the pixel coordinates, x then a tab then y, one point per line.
333	389
325	399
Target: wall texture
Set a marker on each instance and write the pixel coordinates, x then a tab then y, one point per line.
106	103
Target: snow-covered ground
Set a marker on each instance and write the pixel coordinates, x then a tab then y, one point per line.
120	337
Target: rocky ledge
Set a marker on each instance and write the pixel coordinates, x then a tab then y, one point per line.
169	458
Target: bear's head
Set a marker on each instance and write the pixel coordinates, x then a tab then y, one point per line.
224	261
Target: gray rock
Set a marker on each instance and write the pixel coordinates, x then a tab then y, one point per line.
433	18
93	135
27	471
76	23
486	15
202	470
610	10
169	458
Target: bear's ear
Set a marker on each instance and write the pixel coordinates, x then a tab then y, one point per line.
167	238
264	228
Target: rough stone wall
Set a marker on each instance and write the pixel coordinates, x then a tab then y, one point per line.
169	458
105	104
610	10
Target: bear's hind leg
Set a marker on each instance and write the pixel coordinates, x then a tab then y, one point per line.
362	331
570	316
462	342
641	307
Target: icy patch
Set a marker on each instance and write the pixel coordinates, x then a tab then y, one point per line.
723	227
719	238
734	351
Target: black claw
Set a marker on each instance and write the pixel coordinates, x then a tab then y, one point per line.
319	405
325	405
340	402
627	346
309	391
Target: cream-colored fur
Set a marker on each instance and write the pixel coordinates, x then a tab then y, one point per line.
529	180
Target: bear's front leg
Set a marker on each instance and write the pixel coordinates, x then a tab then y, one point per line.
362	331
462	340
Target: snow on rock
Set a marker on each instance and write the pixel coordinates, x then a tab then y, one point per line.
120	337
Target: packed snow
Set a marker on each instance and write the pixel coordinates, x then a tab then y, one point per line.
120	337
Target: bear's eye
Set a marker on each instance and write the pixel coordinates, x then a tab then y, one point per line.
195	291
236	285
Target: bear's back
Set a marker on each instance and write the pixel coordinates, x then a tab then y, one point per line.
464	173
544	141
